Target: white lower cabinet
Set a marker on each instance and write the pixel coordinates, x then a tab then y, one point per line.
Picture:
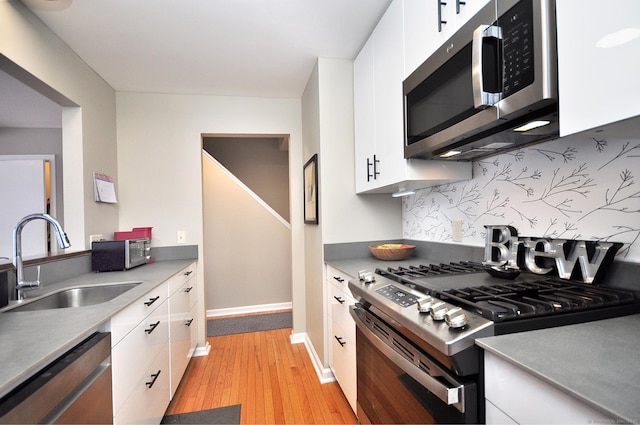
134	355
152	341
149	398
183	323
514	396
342	331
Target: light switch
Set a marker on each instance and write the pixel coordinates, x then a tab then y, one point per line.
181	236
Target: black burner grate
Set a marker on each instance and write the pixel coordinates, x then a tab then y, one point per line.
431	270
513	300
526	297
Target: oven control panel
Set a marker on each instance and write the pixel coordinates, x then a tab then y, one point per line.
397	295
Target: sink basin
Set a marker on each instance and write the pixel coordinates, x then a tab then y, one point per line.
79	296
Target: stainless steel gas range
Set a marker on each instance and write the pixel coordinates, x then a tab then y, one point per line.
417	361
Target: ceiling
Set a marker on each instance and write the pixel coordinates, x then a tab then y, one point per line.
264	48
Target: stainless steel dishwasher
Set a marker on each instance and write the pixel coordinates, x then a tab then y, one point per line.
74	389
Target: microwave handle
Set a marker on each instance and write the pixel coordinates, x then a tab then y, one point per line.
484	97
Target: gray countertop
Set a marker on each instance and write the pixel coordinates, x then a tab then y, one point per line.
32	339
596	362
354	265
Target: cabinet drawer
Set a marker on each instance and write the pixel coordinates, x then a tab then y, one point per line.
132	315
184	298
339	278
139	348
180	278
339	304
193	328
343	360
180	331
149	396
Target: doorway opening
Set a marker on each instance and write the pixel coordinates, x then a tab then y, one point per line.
247	239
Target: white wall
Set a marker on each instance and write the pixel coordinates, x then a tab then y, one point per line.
327	115
159	164
88	132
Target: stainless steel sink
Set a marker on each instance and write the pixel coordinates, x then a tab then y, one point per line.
79	296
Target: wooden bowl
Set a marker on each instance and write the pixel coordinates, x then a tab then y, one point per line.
392	251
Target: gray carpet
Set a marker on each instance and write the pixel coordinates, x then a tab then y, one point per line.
244	324
229	415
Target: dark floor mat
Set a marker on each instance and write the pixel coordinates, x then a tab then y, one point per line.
229	415
254	323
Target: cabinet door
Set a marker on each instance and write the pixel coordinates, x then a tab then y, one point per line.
598	63
342	333
343	343
181	321
132	357
364	117
421	36
389	113
150	396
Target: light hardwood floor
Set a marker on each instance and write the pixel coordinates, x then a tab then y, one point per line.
272	379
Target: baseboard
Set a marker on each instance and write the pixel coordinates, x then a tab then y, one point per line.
202	351
325	374
249	309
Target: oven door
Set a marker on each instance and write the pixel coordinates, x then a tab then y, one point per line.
397	383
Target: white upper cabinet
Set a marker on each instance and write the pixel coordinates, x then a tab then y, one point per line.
364	117
423	35
598	63
379	70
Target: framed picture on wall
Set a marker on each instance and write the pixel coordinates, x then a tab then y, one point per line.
311	190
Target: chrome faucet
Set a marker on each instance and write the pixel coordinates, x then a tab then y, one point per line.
63	241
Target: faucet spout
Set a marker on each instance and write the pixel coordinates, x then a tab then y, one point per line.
63	241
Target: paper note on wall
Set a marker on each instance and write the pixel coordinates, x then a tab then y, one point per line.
104	189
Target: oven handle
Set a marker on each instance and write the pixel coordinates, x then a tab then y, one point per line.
452	396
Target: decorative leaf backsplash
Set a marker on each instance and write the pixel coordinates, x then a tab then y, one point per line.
568	188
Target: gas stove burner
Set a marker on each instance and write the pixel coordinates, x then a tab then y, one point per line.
431	270
503	272
506	295
517	300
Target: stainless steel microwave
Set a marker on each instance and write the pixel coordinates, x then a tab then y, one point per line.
109	256
490	87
